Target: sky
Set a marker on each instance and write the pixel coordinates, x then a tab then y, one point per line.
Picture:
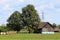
50	8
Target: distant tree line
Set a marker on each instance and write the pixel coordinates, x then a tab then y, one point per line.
3	28
55	25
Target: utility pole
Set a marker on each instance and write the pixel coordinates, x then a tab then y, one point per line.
42	16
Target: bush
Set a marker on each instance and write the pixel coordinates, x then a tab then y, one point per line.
3	29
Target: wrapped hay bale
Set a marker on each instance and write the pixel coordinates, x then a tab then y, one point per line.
3	33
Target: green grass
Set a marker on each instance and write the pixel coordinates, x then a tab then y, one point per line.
31	37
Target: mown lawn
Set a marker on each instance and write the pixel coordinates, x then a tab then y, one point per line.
31	37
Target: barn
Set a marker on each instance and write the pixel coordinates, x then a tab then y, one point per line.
56	29
44	27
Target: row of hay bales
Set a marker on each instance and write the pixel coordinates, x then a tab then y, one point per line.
8	33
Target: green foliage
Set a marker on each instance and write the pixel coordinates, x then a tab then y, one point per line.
30	30
3	29
30	17
59	26
15	21
54	25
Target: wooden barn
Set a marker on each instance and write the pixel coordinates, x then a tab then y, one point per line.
44	27
56	29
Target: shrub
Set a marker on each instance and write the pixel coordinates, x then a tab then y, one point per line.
3	29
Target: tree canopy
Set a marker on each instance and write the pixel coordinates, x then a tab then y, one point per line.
29	17
54	25
14	21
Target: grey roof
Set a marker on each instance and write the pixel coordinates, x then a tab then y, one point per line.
43	24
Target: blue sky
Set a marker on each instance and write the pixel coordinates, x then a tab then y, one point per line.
51	9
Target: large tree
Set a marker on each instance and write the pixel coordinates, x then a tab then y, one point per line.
30	17
15	21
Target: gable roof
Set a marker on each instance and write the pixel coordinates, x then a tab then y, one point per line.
43	24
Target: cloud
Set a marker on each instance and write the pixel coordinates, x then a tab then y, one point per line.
2	1
21	1
58	10
48	6
45	6
7	7
18	1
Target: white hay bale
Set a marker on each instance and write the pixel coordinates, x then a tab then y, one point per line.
47	32
3	33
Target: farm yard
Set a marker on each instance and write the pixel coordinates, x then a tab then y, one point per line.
31	36
28	22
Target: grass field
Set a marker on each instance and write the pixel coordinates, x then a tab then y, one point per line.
31	37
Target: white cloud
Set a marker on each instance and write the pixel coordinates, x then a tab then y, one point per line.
21	1
18	1
7	7
48	6
51	5
56	2
58	10
2	1
45	6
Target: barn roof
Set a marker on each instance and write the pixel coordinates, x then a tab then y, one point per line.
43	24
